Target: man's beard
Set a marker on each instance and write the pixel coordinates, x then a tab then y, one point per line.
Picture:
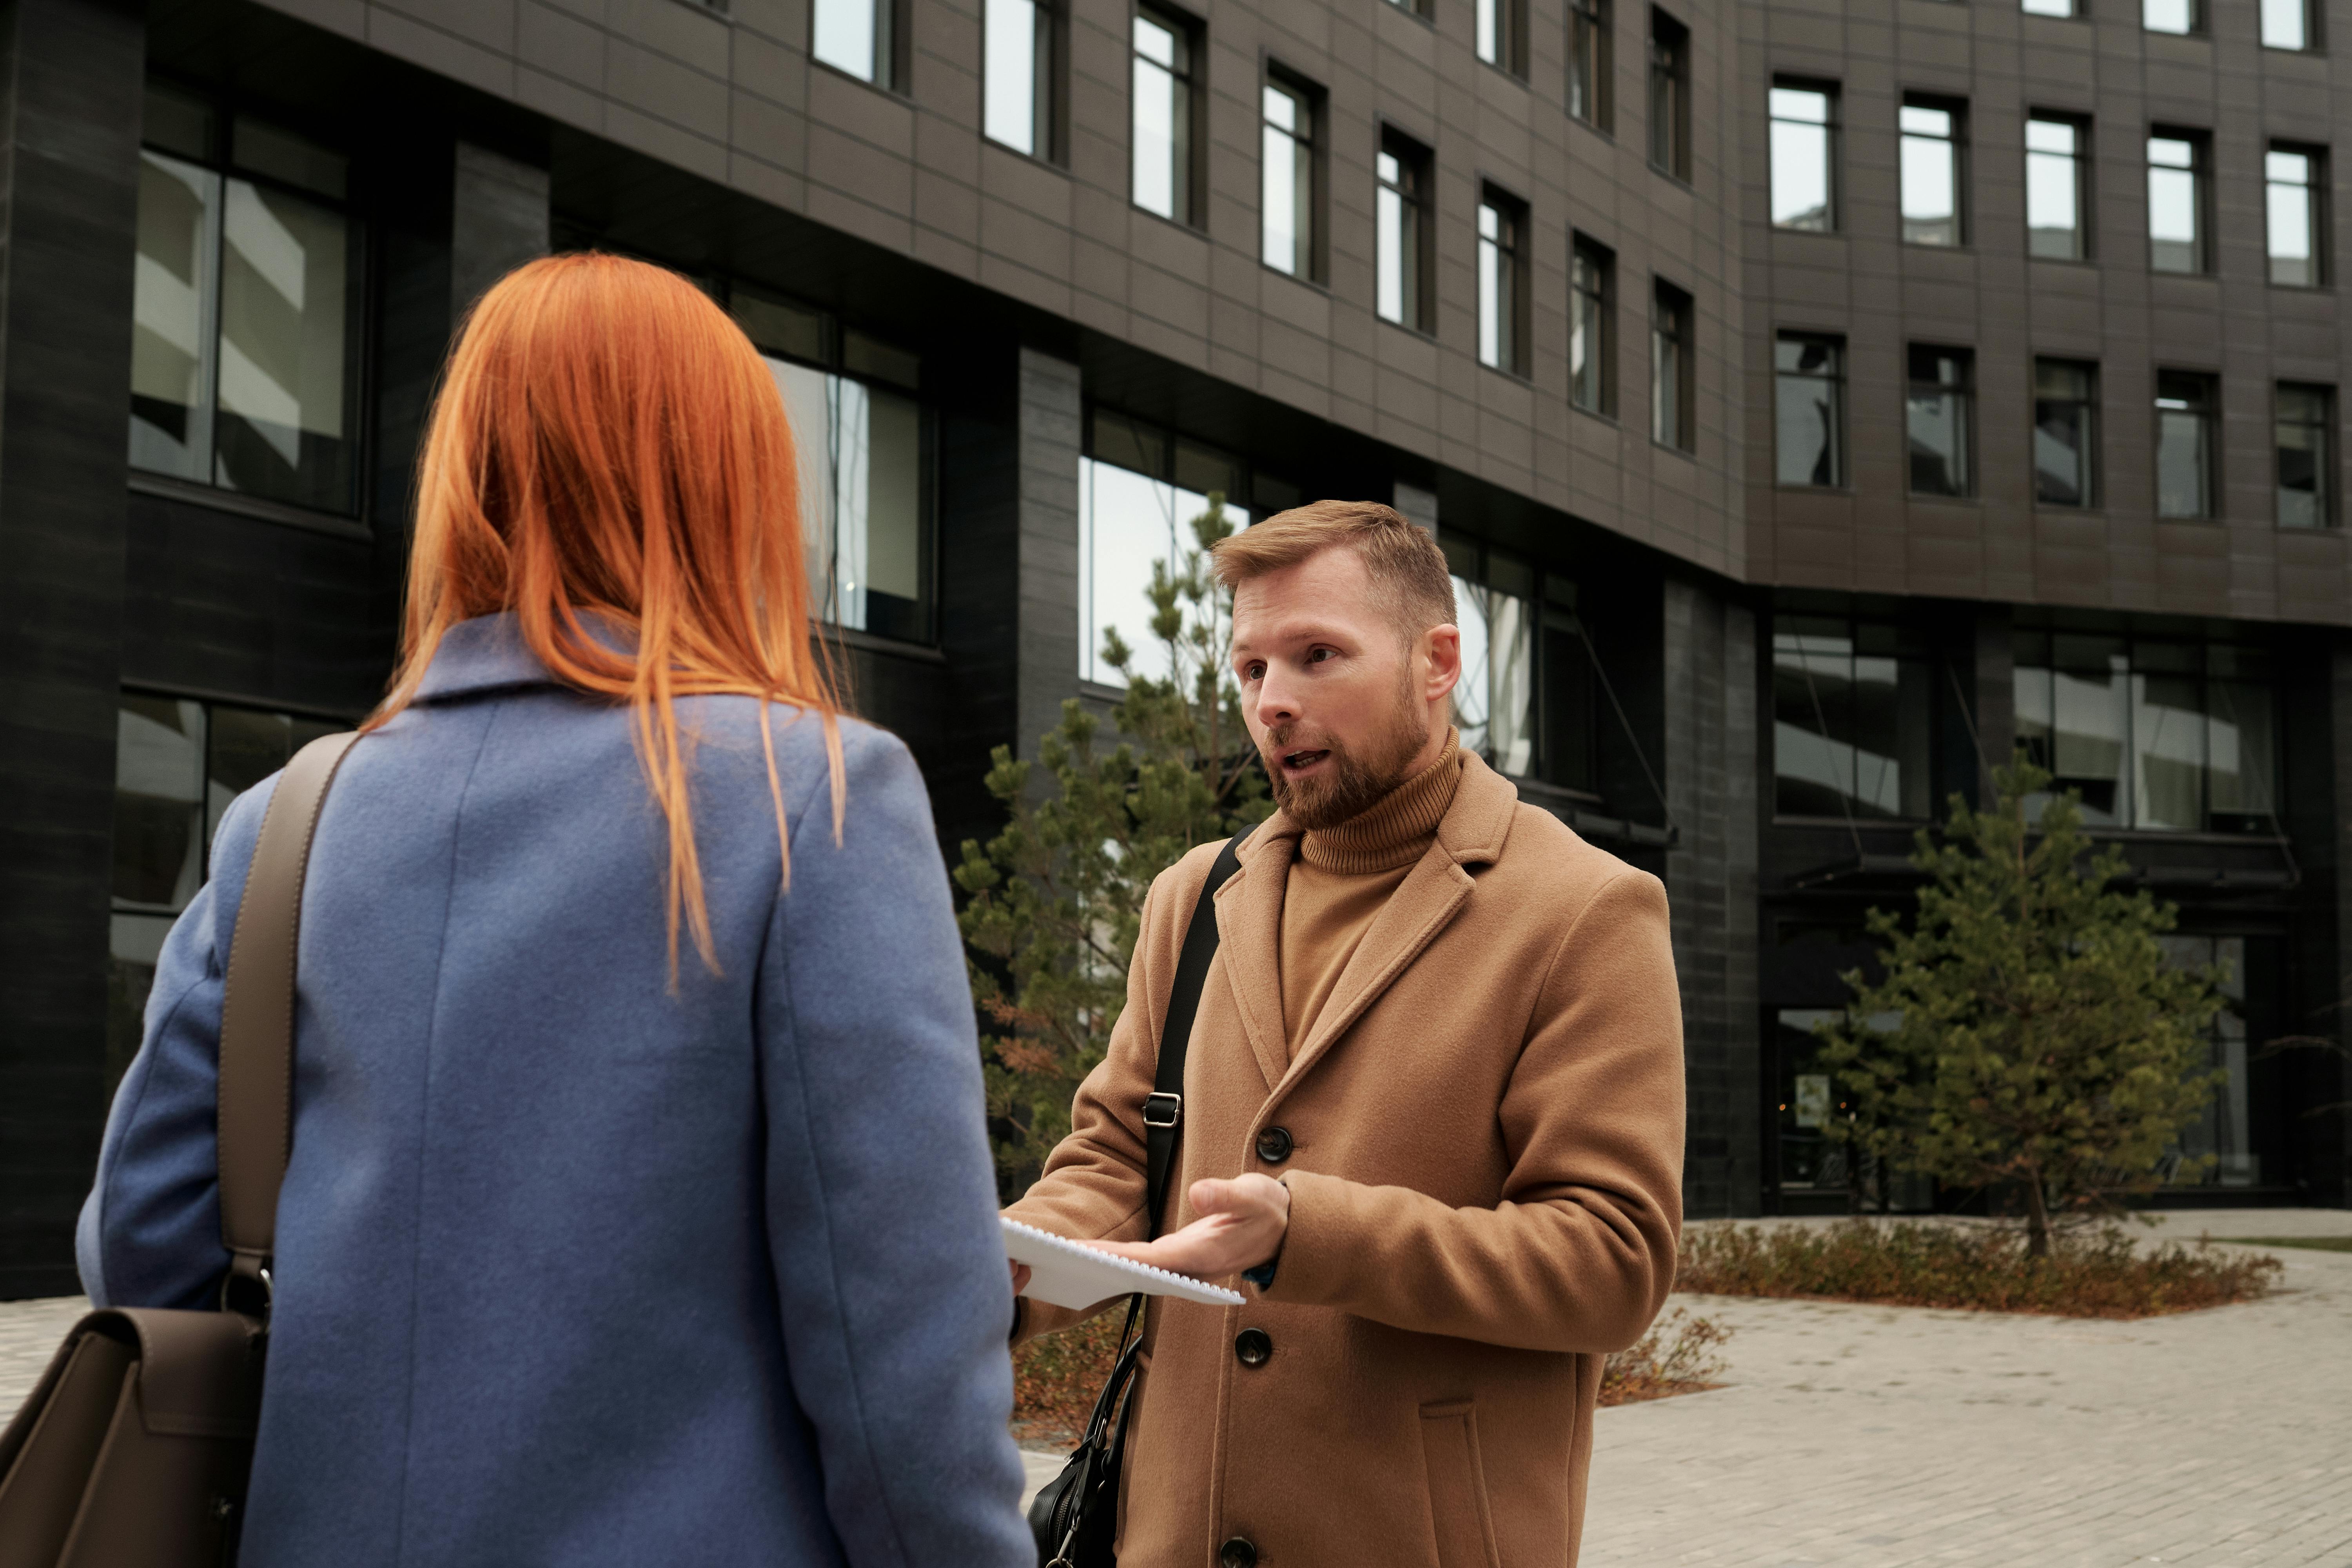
1355	782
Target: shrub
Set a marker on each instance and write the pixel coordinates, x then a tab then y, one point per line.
2088	1274
1680	1354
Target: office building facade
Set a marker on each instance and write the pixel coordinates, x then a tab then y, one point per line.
1816	401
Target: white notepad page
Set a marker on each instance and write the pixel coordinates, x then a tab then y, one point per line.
1065	1273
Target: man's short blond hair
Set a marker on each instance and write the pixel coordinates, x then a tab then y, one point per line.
1407	569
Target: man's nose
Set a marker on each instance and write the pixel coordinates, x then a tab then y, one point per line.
1275	700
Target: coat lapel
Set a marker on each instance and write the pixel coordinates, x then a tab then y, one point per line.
1471	833
1249	940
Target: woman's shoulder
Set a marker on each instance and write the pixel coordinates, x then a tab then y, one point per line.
728	740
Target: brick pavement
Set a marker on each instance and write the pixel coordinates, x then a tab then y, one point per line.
1855	1436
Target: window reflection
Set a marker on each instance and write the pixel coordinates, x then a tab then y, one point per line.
2223	1131
1494	703
1851	710
245	310
1139	490
178	764
864	468
2165	736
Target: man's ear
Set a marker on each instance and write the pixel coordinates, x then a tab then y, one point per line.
1439	653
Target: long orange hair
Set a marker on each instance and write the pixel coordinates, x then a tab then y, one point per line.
606	439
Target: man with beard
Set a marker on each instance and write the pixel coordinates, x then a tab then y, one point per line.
1432	1111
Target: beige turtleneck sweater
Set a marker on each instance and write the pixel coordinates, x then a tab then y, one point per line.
1341	878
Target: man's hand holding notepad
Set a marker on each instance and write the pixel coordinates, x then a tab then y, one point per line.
1065	1273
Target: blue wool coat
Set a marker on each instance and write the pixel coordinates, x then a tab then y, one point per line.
573	1269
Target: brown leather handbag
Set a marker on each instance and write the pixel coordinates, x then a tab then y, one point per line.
134	1447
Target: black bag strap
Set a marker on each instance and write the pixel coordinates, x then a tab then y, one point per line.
1164	1108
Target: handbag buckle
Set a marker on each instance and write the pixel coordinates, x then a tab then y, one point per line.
1170	1109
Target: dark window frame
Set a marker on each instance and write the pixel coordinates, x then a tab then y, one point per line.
2207	407
2085	172
2316	190
1513	245
1193	33
2200	173
1050	112
2325	463
1589	20
1317	101
894	54
1586	251
2092	412
225	109
1832	148
1670	79
1962	393
1510	55
1415	189
1963	226
1674	318
1838	381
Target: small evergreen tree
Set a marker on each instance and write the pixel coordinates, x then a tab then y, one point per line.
1057	899
2029	1035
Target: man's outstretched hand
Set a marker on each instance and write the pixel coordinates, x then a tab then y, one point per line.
1241	1224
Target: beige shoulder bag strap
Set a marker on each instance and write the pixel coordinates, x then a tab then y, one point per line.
257	1039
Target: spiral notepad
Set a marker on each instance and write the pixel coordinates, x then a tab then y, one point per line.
1065	1273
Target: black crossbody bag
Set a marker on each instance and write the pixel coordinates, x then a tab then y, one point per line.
1075	1517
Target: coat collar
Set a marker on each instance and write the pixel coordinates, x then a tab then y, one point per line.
1249	921
488	654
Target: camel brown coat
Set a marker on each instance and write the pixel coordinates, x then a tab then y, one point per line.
1485	1137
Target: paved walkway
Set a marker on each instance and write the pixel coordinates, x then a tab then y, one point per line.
1852	1436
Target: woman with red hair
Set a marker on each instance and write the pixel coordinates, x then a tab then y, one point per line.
639	1207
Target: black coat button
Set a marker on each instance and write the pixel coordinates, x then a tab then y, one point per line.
1253	1346
1237	1553
1273	1145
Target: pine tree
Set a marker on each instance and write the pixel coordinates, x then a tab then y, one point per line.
2030	1036
1057	899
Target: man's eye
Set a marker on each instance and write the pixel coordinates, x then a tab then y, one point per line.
1254	672
1319	656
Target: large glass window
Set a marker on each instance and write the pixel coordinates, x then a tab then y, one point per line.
863	467
2287	24
2292	182
1501	33
178	764
2307	455
2055	198
1401	220
1804	157
2065	432
1670	371
2172	16
1140	487
1495	608
855	37
2222	1133
1591	326
1163	89
2178	736
1940	413
1670	95
1809	374
1934	134
1502	282
2175	202
1286	177
1018	80
2185	416
245	309
1852	719
1589	62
